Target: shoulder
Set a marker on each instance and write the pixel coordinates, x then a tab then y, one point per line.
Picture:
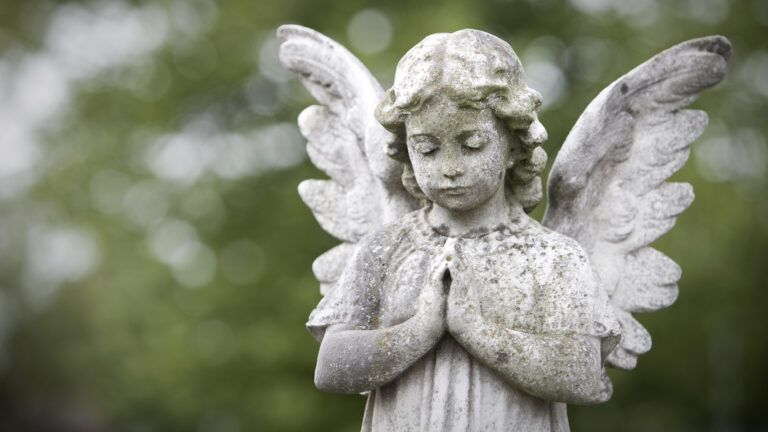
385	240
570	290
563	268
558	247
393	231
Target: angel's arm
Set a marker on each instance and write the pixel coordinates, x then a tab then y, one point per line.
564	368
560	367
353	360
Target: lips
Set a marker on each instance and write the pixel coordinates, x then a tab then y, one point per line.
454	190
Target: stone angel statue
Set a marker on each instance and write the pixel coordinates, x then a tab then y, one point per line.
445	303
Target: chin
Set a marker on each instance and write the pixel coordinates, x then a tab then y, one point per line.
457	204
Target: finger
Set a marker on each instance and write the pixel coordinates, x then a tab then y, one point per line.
456	246
437	273
438	261
456	263
460	281
449	249
453	267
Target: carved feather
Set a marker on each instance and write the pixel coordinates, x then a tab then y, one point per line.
344	141
329	266
327	143
607	186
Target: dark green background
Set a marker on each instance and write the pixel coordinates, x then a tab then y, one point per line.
123	345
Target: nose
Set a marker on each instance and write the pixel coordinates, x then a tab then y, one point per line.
452	170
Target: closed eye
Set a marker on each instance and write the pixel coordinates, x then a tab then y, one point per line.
423	144
473	141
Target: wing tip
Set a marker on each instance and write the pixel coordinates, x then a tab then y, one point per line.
699	119
328	267
622	359
683	194
715	44
286	31
308	188
674	293
310	119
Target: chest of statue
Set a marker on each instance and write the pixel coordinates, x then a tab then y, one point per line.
509	271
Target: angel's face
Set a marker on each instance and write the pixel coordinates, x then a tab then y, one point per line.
459	154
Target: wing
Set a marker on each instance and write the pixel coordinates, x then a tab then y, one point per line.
607	186
346	142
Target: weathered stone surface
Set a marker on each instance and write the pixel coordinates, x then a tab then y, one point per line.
447	304
607	186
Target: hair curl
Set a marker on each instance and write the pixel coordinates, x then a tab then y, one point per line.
476	69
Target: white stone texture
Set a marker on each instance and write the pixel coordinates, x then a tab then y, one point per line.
445	302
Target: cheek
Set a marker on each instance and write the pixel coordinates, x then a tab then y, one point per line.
490	167
489	173
423	169
497	162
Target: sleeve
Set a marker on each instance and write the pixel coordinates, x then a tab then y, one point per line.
355	298
577	302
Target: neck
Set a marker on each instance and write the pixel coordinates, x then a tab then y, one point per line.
477	221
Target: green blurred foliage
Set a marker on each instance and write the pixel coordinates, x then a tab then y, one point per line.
138	295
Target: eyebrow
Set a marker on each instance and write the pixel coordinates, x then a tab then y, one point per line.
421	135
468	132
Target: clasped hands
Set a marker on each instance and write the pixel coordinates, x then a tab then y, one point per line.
448	301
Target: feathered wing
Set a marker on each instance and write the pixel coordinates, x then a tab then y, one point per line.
346	142
607	186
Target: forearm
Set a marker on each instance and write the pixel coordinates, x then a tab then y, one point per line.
553	367
353	361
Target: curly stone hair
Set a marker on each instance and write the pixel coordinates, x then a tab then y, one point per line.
475	69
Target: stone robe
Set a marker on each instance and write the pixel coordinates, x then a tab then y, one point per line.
527	277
